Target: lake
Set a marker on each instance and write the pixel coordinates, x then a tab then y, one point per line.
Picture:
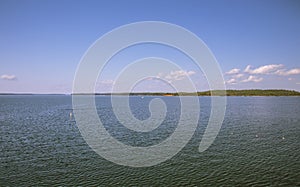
258	144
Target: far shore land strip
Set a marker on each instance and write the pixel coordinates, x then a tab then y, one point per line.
254	92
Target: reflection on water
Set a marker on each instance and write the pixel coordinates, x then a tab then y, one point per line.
257	145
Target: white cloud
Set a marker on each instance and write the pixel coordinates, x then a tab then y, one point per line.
233	71
267	69
8	77
231	81
288	72
272	69
177	75
293	71
252	78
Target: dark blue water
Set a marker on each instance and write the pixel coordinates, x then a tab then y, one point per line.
258	144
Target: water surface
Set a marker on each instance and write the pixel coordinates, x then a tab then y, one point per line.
258	144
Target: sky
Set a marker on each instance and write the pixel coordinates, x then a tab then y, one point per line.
256	43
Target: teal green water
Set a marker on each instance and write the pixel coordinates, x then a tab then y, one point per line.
258	145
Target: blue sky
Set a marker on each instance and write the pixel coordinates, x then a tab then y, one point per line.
256	43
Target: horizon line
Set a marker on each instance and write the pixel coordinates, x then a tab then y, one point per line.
141	92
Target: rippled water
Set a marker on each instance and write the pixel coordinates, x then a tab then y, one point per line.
259	144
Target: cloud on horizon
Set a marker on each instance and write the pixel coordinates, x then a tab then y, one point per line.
231	81
266	69
176	75
271	69
284	72
252	78
233	71
8	77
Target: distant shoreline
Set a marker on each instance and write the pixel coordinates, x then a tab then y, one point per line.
254	92
251	92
